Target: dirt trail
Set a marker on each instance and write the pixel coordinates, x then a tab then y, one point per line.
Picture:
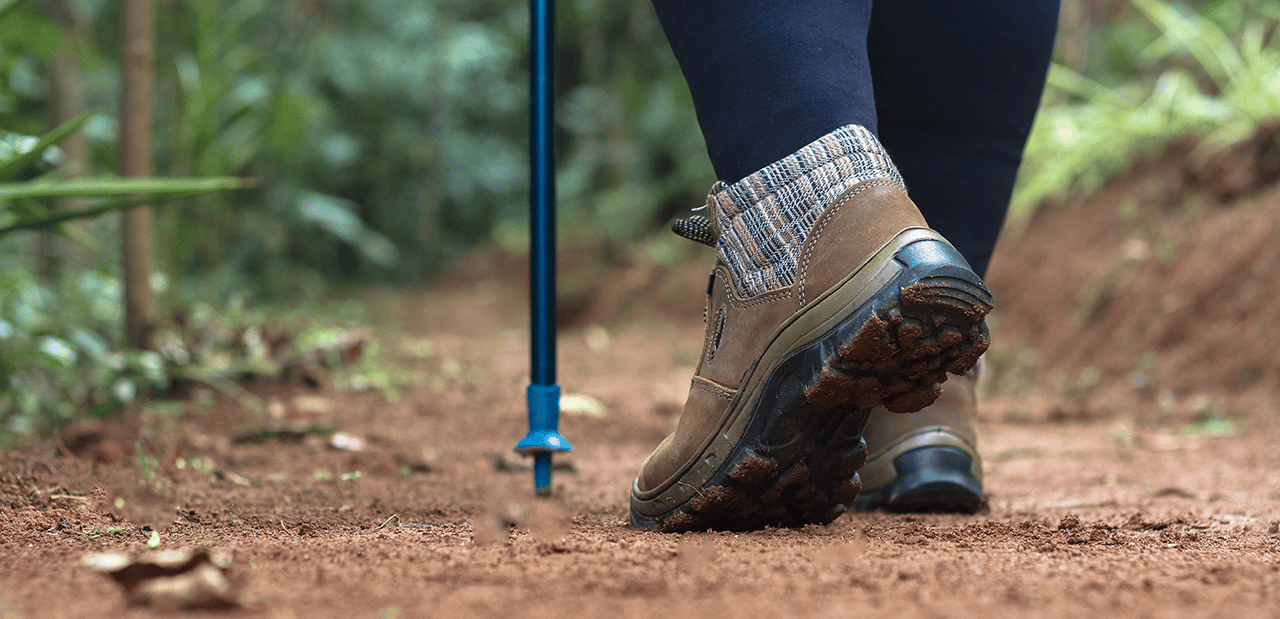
1130	459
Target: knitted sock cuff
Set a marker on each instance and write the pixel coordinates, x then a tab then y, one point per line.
764	218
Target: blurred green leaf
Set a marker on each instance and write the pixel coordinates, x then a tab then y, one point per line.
13	196
27	31
12	162
100	187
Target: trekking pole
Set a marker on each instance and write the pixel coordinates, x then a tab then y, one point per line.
543	395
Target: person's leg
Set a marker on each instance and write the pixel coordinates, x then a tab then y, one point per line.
957	85
769	78
830	295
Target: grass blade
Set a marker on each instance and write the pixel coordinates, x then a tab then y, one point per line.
9	169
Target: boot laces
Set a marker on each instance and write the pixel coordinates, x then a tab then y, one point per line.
697	228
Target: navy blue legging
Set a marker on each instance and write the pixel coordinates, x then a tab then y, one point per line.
949	86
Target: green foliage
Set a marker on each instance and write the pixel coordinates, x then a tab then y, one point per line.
19	209
17	152
1214	74
385	138
100	531
57	360
634	154
144	463
26	38
391	135
60	358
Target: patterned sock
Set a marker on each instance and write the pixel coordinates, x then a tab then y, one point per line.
763	219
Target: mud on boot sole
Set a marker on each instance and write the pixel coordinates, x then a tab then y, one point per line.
800	446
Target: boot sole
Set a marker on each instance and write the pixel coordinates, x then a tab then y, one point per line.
789	449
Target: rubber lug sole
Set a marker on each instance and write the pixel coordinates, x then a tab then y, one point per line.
797	459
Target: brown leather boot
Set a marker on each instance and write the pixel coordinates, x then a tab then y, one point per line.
880	309
928	461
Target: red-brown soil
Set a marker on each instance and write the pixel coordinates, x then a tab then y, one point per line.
1129	435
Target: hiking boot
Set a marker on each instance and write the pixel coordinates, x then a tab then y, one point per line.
873	309
928	461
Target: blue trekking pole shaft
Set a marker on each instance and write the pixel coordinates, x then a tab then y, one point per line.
542	198
543	395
